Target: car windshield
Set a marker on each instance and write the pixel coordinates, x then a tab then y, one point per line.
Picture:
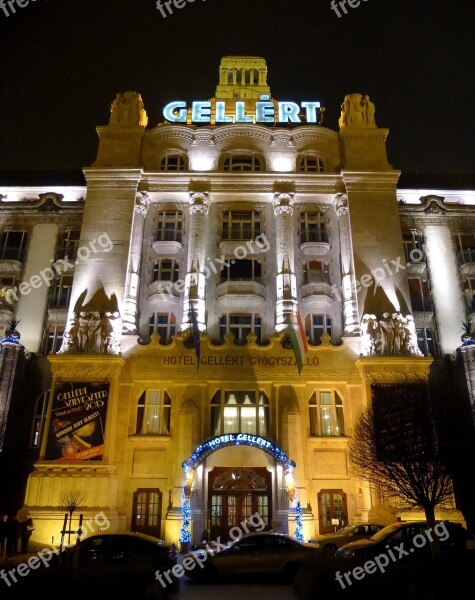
347	529
383	533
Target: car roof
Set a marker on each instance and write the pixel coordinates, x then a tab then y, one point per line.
131	534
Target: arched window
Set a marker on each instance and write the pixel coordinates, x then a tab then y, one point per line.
310	163
242	163
173	162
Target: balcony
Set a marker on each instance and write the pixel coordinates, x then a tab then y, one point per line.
242	237
314	242
164	290
321	290
241	288
466	261
68	253
168	241
11	259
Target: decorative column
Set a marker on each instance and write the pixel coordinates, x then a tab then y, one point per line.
142	204
347	294
195	281
10	349
286	302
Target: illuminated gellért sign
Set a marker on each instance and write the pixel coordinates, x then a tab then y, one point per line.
236	439
265	112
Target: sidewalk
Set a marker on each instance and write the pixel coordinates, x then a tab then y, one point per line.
12	561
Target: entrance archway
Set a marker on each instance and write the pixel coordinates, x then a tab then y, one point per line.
235	493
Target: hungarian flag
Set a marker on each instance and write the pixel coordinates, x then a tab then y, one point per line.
298	339
195	333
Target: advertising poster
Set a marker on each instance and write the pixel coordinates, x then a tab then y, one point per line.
78	418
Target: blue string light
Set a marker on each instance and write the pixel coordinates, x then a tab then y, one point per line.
298	535
185	533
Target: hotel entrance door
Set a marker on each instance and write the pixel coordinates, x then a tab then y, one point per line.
235	495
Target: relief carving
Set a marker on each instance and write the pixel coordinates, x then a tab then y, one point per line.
392	334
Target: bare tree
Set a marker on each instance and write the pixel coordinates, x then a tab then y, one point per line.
71	499
402	463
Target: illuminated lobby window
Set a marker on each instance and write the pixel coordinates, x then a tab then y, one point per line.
316	326
241	225
310	164
53	339
173	162
326	414
240	325
242	163
313	227
242	270
12	245
153	413
165	269
164	324
239	412
169	227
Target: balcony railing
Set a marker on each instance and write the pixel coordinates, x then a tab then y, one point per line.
169	235
240	233
466	256
9	253
313	236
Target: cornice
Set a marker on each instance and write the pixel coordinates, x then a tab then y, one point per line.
398	369
434	210
107	178
358	181
72	367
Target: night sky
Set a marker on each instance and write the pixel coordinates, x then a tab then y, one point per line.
63	62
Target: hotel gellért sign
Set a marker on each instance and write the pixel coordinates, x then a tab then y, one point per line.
266	111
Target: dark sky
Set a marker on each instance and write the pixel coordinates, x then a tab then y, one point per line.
63	61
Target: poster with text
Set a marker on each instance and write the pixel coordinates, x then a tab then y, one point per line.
78	418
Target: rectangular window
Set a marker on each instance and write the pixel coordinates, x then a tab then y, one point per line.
12	245
165	270
326	415
316	271
244	412
39	419
60	293
242	270
413	243
68	245
419	291
164	324
53	339
241	225
240	325
169	227
427	342
316	326
313	227
153	413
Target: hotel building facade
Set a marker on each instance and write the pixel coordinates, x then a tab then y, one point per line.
241	215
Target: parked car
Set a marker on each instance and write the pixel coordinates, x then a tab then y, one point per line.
118	562
330	542
262	553
413	538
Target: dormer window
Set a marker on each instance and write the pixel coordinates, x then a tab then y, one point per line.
310	164
242	163
173	162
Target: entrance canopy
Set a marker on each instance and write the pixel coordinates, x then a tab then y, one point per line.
237	439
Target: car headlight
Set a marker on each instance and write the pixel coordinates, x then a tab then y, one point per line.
344	553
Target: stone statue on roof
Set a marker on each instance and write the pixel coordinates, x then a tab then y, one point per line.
128	110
